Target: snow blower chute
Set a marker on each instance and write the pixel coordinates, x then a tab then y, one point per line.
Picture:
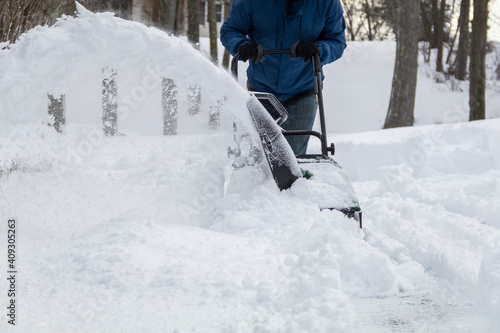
329	178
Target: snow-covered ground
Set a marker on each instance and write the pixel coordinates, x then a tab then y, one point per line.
145	233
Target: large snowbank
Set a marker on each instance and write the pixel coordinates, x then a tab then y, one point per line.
134	233
69	59
434	192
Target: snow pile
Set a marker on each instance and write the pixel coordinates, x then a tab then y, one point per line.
116	224
142	232
70	58
468	154
433	195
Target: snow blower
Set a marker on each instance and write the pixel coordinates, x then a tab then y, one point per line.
330	180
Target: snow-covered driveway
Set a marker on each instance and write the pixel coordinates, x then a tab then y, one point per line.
108	245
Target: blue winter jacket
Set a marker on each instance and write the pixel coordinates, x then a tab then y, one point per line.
269	23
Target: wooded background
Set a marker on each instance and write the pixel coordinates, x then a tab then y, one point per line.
417	25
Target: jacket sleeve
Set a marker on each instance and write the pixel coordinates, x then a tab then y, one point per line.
237	26
331	41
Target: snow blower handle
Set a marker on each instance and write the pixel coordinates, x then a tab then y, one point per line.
318	90
316	62
265	96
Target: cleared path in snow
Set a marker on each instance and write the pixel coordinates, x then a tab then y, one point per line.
431	196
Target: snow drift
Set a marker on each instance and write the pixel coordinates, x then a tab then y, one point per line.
69	59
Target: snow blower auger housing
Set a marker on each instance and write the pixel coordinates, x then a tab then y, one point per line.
330	180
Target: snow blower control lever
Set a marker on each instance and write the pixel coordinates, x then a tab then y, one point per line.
316	64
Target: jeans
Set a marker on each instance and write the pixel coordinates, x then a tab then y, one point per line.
301	116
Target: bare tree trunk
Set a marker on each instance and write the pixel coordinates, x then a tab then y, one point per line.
477	92
463	41
212	27
151	11
426	15
167	14
193	31
440	36
404	82
452	45
179	17
435	22
122	8
369	20
454	39
349	18
226	57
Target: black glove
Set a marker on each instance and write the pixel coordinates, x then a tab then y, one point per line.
303	49
251	51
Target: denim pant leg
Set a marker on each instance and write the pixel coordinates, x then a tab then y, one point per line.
301	116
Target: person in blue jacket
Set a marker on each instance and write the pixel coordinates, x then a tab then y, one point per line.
305	27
